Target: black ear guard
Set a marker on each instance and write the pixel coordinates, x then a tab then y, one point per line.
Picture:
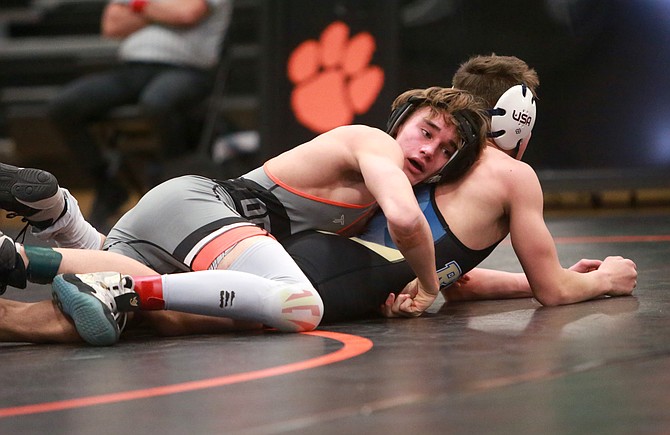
399	114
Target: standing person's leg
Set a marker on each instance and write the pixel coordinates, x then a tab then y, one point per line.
85	100
168	100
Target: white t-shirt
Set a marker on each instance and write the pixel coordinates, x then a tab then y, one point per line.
198	46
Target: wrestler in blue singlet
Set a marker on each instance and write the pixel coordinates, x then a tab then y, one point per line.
354	276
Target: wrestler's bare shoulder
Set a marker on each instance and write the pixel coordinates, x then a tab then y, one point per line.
505	168
355	136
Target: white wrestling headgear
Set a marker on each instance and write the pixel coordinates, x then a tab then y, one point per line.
513	117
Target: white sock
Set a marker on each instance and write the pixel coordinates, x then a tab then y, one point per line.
71	230
49	208
282	298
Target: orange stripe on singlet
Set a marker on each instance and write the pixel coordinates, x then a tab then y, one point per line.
213	249
295	191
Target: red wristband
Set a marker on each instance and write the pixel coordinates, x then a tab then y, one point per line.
138	5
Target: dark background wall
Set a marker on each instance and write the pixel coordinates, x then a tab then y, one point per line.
602	63
604	93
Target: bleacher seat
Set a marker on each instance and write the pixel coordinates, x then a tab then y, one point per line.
61	42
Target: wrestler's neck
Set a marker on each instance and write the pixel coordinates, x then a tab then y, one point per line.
513	153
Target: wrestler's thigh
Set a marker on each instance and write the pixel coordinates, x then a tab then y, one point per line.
174	216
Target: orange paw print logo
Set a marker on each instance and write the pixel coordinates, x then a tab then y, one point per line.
333	78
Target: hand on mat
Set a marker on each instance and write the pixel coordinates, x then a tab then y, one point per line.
622	273
412	301
585	265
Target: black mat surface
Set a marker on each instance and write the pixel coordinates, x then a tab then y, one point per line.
479	367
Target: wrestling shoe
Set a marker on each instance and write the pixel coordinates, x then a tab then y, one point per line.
97	303
12	268
26	191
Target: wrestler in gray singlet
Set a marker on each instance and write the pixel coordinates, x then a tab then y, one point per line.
176	219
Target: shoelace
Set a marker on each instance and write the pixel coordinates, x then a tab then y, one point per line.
22	234
123	319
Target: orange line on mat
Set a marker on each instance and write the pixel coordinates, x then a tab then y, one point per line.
606	239
353	346
613	239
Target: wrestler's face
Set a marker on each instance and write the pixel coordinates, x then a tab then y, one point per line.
427	142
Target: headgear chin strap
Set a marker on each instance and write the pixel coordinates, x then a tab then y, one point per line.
467	126
513	117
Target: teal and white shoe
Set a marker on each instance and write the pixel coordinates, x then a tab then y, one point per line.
93	301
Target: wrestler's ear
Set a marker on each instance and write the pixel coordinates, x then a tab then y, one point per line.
522	147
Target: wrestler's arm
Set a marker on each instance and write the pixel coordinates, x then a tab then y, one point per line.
407	224
44	322
35	322
550	283
482	284
176	324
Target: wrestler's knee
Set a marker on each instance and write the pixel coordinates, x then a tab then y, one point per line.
299	309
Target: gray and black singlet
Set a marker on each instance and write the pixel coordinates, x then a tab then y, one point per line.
354	276
175	220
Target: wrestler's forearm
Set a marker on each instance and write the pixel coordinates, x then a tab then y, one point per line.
38	322
418	250
480	284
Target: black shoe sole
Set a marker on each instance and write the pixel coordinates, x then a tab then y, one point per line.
24	184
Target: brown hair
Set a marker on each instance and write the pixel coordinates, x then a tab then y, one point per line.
445	102
490	76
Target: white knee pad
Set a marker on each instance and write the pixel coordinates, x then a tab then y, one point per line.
262	285
294	302
294	308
